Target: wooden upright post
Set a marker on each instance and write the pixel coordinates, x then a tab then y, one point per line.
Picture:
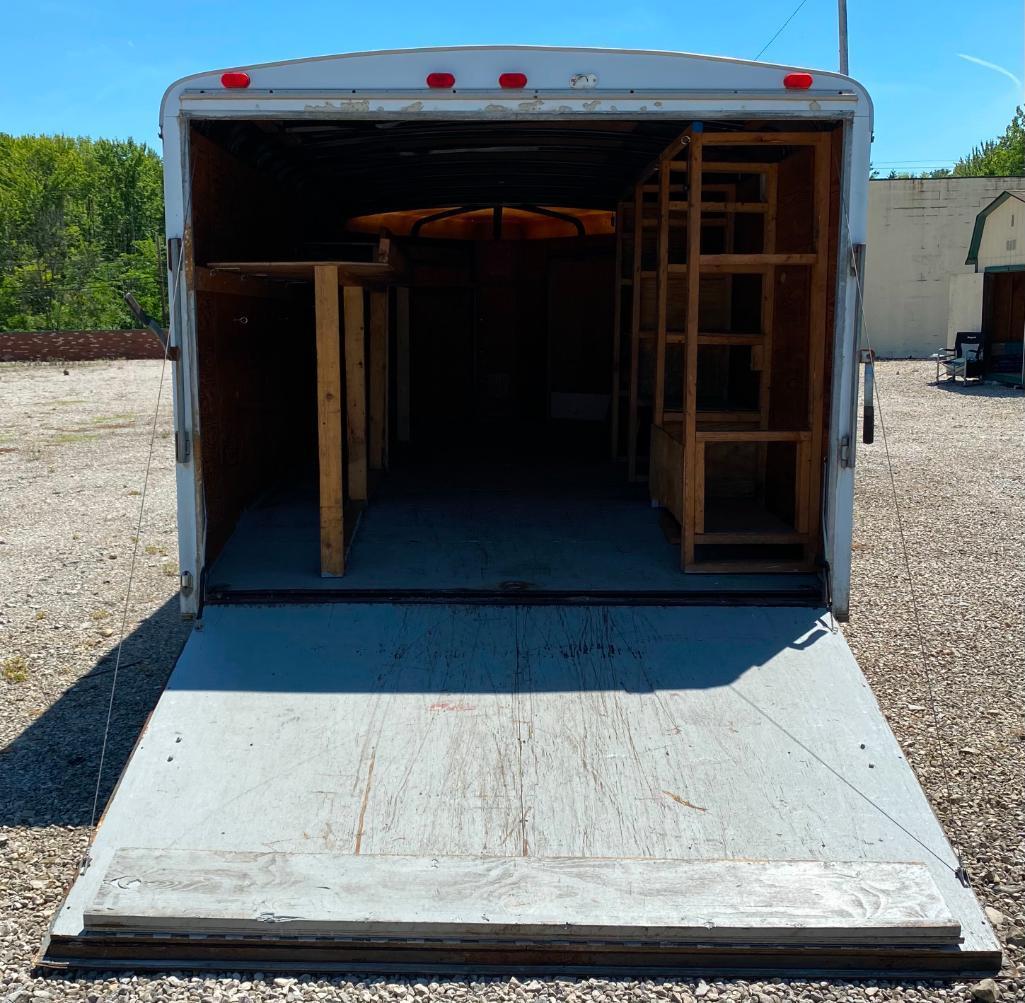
356	391
378	403
691	478
402	363
635	333
329	422
818	326
617	332
661	289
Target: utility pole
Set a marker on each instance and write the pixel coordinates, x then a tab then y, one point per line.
841	11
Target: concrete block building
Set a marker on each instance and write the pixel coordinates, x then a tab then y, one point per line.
919	235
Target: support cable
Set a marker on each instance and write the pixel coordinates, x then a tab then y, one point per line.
173	314
781	28
940	755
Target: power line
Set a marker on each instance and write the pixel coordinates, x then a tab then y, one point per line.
797	10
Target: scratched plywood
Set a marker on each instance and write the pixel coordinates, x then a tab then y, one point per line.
544	731
791	902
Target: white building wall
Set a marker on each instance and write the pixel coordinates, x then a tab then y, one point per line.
1003	236
919	231
964	312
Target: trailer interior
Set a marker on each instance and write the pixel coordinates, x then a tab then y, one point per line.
449	356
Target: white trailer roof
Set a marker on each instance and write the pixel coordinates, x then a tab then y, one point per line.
595	76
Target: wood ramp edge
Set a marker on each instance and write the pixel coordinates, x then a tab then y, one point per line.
806	903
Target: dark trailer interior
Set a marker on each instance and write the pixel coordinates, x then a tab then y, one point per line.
447	357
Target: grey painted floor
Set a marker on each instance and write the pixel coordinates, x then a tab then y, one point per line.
452	526
507	731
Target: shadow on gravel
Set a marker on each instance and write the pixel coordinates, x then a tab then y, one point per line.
978	389
48	773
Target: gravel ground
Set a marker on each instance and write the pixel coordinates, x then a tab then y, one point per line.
73	448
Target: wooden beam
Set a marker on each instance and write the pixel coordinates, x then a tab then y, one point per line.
698	466
751	435
742	537
690	375
661	291
329	422
751	566
635	335
768	294
617	333
234	284
350	273
726	260
755	207
733	167
356	391
402	360
762	138
818	325
378	397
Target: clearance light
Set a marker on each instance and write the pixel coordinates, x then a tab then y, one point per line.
235	78
441	80
513	81
797	81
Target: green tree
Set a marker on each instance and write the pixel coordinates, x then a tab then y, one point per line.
81	221
1002	157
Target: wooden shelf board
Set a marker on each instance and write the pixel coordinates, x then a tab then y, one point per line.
751	435
724	338
749	207
349	272
753	567
764	138
767	539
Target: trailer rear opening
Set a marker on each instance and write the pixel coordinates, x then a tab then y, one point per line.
515	414
525	374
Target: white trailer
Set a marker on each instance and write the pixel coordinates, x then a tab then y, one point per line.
515	400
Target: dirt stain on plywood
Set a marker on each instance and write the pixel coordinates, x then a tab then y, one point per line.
363	804
683	801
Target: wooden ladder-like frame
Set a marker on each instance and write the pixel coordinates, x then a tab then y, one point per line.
679	439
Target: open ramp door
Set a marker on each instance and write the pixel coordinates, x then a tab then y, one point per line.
528	787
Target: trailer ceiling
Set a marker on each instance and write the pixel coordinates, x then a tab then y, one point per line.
394	165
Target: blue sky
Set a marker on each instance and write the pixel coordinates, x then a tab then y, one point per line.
99	67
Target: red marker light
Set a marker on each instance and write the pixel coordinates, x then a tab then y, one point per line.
442	80
235	78
513	81
797	81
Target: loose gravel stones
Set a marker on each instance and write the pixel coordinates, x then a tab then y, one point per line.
72	454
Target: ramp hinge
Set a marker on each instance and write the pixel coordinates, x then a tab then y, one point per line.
186	583
182	447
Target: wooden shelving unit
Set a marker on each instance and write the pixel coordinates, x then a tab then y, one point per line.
352	376
698	453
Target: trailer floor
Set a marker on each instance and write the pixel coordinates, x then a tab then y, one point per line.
449	525
675	734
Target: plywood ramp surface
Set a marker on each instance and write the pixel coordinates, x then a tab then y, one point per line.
374	730
805	902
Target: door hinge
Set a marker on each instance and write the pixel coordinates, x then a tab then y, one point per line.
174	249
186	583
846	460
182	447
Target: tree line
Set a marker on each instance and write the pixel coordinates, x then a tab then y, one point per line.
82	222
1003	157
